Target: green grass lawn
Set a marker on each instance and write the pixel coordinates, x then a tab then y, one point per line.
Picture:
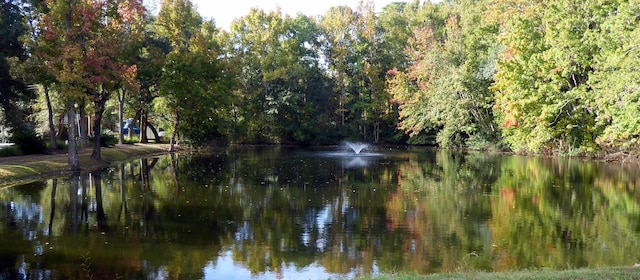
583	273
26	168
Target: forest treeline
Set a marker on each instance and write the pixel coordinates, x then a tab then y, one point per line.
553	76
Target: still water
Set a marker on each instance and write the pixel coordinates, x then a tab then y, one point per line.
283	213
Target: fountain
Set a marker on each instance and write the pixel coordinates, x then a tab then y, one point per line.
356	147
353	154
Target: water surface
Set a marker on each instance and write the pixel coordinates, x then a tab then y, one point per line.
274	213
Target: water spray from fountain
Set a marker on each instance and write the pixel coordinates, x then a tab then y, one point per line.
357	147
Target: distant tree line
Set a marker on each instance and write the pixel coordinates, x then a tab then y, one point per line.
554	77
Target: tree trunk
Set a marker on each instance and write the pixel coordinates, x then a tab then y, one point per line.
74	162
72	150
143	127
52	128
376	132
82	124
175	132
121	94
154	131
97	123
136	118
342	109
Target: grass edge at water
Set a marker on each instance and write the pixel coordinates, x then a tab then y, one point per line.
582	273
22	169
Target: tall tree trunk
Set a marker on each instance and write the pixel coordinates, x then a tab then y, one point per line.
74	162
175	132
121	94
342	109
97	124
52	128
376	131
82	124
143	127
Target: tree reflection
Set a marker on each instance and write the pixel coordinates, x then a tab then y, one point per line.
272	209
564	214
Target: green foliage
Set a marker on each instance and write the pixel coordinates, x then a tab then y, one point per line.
107	139
10	151
14	93
60	145
29	142
283	89
615	79
545	84
194	86
446	88
556	77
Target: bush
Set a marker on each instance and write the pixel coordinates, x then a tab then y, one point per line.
107	139
10	151
29	142
62	145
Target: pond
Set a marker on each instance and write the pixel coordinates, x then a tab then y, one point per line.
276	212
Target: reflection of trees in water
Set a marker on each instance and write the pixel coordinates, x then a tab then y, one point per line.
566	211
428	212
514	213
440	207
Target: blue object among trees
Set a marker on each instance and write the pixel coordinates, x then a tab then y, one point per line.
128	123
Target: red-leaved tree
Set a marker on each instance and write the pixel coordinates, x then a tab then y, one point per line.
83	46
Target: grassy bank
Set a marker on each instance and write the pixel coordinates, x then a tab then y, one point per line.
14	170
583	273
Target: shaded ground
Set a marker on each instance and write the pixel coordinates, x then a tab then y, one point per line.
30	167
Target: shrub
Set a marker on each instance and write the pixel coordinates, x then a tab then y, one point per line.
10	151
29	142
107	139
62	145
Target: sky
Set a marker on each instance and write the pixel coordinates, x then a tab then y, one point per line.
225	11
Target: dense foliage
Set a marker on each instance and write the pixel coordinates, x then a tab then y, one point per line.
554	76
13	90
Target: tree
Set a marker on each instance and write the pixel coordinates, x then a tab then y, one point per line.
150	60
445	88
130	34
193	82
282	82
257	51
615	80
13	90
84	61
119	24
543	98
339	41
